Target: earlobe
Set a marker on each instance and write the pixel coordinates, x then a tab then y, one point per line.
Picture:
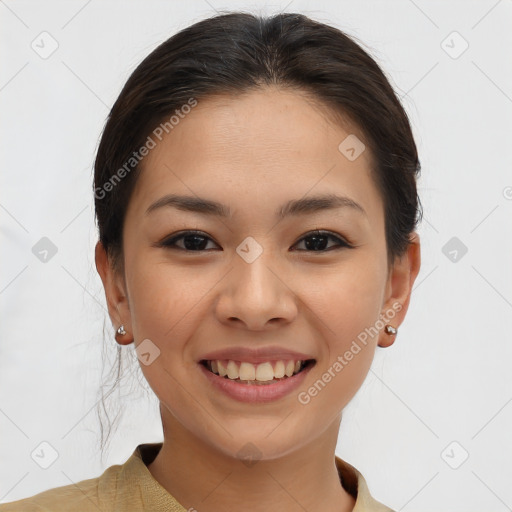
390	333
398	291
115	295
122	336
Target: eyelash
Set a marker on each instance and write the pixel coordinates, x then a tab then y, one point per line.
170	243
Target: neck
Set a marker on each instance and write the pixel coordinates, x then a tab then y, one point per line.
202	478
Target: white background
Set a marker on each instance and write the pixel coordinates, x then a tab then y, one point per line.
448	375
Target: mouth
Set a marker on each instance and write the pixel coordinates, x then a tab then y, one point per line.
264	373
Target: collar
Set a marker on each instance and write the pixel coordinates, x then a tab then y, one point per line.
157	499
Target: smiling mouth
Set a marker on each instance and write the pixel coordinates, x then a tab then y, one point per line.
256	374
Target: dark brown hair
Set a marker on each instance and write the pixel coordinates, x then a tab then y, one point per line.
232	54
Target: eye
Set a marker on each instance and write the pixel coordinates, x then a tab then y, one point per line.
192	241
197	241
317	241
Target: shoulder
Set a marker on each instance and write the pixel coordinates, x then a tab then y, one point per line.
82	496
92	495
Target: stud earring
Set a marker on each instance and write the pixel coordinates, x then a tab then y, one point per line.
121	330
389	329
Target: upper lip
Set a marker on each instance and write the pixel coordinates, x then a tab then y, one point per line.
255	355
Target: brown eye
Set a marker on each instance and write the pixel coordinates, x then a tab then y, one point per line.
197	241
192	241
316	241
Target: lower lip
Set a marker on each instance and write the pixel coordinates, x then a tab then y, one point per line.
255	392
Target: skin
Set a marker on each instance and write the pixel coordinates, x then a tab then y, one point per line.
253	153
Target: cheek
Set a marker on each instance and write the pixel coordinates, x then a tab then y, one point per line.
346	316
346	307
163	303
345	300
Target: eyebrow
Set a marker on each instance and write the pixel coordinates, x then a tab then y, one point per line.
293	207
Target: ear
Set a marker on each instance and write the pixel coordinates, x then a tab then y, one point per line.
398	289
115	293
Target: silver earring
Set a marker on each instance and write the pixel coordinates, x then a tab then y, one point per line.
121	330
389	329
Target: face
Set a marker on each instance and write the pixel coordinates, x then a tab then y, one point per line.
253	279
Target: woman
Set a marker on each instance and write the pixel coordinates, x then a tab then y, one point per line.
255	191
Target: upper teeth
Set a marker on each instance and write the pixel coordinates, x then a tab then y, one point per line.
248	371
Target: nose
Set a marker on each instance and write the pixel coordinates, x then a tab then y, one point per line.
257	295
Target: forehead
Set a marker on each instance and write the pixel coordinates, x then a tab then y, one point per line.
268	145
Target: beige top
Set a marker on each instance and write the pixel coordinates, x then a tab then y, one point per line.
130	487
